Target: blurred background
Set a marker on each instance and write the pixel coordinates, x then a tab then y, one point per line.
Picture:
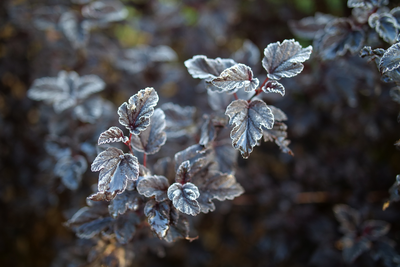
342	126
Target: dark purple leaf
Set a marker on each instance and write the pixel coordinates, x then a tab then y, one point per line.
284	60
349	218
184	198
339	37
179	119
153	137
183	173
112	135
217	185
70	170
374	229
247	120
128	200
178	230
208	132
105	11
308	27
90	229
155	185
115	168
125	227
158	216
87	214
76	31
192	153
353	249
248	54
135	115
235	78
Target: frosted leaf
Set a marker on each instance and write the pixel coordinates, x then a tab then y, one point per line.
284	60
183	173
235	78
184	198
385	25
65	90
339	37
375	228
112	135
115	168
395	12
153	137
155	185
224	154
279	115
248	54
100	196
128	200
88	214
178	230
272	86
366	3
205	68
192	153
90	110
71	170
77	32
178	119
218	101
135	115
105	11
125	227
208	132
391	59
220	186
247	120
158	216
134	60
279	130
308	27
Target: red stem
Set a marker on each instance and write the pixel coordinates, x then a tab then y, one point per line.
258	90
144	159
235	95
128	143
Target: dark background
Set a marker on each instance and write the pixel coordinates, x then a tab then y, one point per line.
343	154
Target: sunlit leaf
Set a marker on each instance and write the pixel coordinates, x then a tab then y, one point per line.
235	78
115	168
158	216
390	59
385	25
284	60
247	120
184	198
272	86
205	68
112	135
155	185
153	137
135	115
